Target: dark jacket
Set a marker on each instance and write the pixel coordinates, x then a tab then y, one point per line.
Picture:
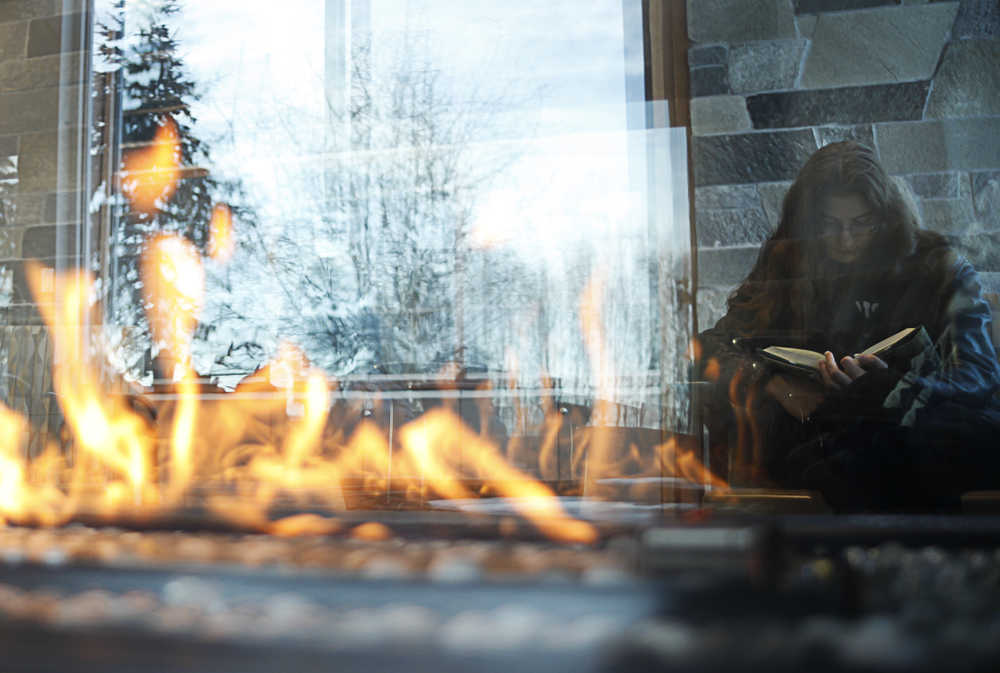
887	424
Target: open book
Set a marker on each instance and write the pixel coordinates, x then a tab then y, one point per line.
807	361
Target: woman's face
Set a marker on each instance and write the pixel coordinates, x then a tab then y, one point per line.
847	225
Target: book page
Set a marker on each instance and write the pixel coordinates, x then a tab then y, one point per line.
796	356
888	342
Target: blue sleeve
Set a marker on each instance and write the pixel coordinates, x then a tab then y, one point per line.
961	366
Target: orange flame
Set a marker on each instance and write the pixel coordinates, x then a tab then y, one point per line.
221	242
150	175
173	287
271	443
104	428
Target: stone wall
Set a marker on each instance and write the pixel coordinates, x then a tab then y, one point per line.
40	135
773	80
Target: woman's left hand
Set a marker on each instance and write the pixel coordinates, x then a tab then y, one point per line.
849	369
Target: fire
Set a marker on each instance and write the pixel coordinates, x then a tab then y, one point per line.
275	443
221	241
150	174
173	288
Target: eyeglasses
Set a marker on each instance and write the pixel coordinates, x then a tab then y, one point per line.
865	225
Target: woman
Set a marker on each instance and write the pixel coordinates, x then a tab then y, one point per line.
846	267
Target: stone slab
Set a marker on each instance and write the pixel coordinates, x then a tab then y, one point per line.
726	196
715	54
725	266
934	185
10	243
772	196
709	80
27	111
750	157
982	249
877	46
986	199
817	6
765	66
12	41
731	227
861	133
45	36
951	217
28	208
24	10
847	105
739	20
806	25
39	165
719	114
37	73
8	146
41	242
939	146
968	81
977	19
711	305
61	207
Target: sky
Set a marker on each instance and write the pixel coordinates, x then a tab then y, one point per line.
574	179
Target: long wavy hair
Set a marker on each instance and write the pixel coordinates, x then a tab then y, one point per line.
792	266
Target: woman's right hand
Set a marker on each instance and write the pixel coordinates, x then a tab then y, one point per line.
799	398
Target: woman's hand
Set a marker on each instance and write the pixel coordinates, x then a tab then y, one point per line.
798	397
850	369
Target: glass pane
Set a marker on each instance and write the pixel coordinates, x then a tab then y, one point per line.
417	187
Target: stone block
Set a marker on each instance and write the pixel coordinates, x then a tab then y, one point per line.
61	207
711	305
982	249
40	167
725	266
6	286
709	80
10	243
772	196
939	146
818	6
847	105
28	209
877	46
861	133
750	157
38	73
739	20
765	66
19	314
27	111
45	241
8	146
952	217
986	199
715	54
731	227
25	10
726	196
45	36
968	81
934	185
977	19
719	114
12	41
806	25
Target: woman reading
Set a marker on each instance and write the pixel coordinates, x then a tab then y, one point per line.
847	267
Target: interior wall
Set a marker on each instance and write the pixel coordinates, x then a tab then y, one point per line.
774	80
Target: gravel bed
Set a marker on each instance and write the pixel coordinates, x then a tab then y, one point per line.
368	550
922	609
